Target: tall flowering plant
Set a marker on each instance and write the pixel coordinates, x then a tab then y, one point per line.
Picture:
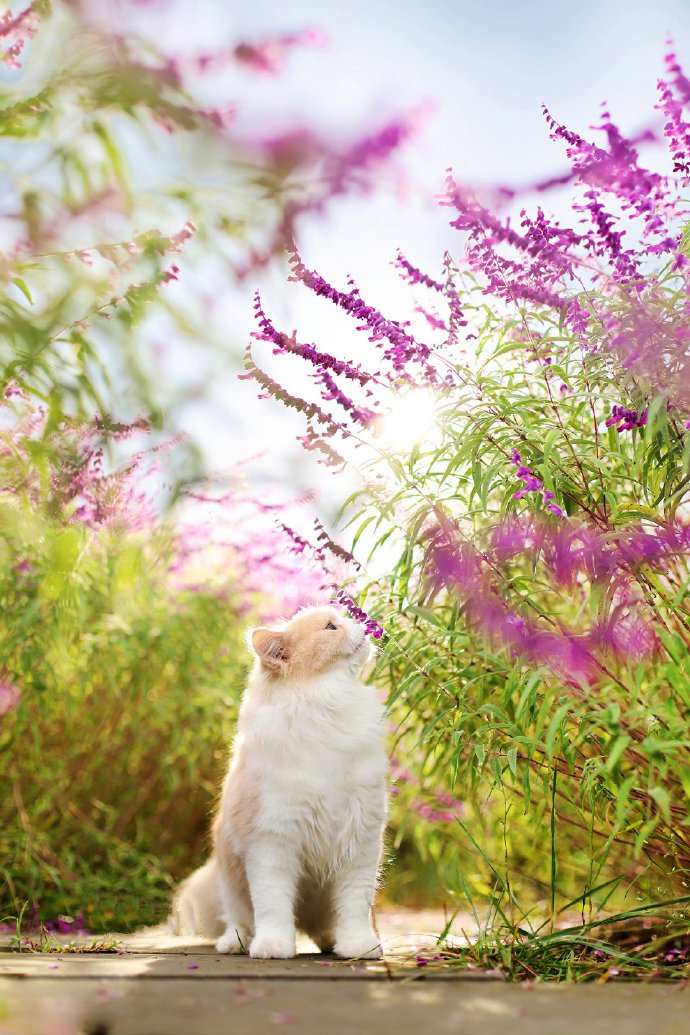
134	194
536	530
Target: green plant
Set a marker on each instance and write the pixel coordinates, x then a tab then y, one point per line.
524	487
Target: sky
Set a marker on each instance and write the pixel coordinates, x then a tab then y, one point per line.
480	72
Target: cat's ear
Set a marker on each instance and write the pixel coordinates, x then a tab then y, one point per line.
271	647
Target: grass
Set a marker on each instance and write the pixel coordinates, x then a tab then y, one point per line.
648	943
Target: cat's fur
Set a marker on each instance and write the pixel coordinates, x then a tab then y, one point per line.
297	837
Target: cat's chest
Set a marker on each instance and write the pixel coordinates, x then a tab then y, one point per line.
316	740
325	767
319	772
326	812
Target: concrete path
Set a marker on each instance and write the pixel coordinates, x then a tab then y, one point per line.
160	986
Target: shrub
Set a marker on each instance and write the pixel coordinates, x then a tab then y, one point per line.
123	662
123	591
524	475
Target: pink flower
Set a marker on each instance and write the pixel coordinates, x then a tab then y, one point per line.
9	696
268	55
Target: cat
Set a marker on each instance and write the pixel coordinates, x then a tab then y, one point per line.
297	838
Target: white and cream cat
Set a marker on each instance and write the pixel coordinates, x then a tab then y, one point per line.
298	834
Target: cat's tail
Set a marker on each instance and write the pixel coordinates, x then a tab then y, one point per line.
196	908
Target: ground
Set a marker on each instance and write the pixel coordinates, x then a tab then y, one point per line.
155	985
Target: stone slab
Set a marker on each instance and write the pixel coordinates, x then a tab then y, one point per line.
143	965
404	933
198	1006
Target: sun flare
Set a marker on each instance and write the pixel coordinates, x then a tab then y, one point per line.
410	421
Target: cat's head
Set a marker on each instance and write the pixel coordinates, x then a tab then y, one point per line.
317	640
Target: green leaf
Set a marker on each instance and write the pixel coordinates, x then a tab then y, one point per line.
23	287
614	755
663	800
555	728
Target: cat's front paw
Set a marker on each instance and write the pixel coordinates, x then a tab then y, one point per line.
276	945
230	943
362	945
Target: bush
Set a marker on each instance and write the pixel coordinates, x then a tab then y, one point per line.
524	485
124	591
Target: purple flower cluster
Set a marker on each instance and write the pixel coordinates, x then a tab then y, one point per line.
654	345
451	809
413	275
533	484
626	420
615	170
338	551
271	389
674	98
32	923
456	318
268	55
402	347
332	392
456	564
321	360
574	552
543	252
81	490
242	534
9	695
371	626
434	321
570	553
300	545
353	168
15	30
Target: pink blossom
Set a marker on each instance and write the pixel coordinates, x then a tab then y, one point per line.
9	696
268	55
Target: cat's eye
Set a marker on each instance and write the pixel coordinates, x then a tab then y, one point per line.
331	625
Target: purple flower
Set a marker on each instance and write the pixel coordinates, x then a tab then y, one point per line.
268	55
533	484
299	545
323	361
15	30
577	318
334	548
371	626
9	696
676	129
626	420
412	275
535	264
402	347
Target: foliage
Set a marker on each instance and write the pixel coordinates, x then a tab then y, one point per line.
528	537
121	629
118	687
638	943
114	164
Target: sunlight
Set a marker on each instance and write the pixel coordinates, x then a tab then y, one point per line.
409	422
